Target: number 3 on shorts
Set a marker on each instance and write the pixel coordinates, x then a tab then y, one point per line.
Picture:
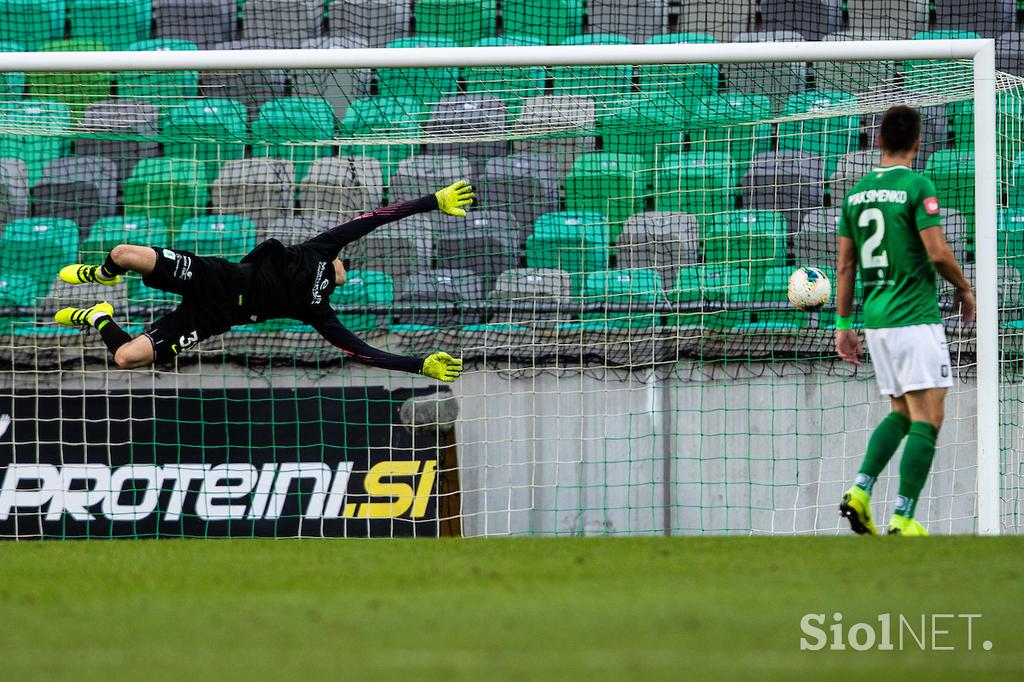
868	257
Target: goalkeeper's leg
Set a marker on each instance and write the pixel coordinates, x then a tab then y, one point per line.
121	259
128	353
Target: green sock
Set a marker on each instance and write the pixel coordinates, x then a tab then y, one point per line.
881	447
914	467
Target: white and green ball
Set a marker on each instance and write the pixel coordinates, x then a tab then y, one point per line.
809	288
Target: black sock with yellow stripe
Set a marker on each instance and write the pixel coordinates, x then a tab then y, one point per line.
110	269
113	336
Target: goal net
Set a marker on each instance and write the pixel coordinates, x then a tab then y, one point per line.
617	292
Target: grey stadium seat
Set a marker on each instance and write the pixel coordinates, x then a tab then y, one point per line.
934	131
425	174
378	22
776	81
638	20
262	189
954	226
850	169
400	249
251	88
531	294
660	241
900	19
295	229
481	251
988	18
339	87
473	115
82	188
816	242
498	222
1010	53
203	22
525	185
62	295
440	292
342	187
116	118
787	181
13	190
724	19
288	21
811	18
853	77
556	114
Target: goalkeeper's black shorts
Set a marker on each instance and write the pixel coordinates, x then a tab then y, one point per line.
212	291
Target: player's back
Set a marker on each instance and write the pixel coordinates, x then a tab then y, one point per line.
884	214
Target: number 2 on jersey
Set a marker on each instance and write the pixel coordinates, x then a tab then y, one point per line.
868	257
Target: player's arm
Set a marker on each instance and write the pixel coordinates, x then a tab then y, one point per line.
848	344
441	366
945	264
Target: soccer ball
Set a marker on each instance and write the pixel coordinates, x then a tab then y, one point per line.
809	288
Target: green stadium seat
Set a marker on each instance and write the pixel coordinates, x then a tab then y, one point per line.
209	131
773	290
512	84
294	120
952	171
106	233
652	128
606	85
724	123
12	83
550	20
755	240
17	289
611	184
639	289
165	89
171	190
227	236
38	247
708	285
383	117
41	124
76	90
427	85
118	23
829	138
686	83
1009	126
1011	237
30	23
576	242
700	183
365	289
464	21
141	296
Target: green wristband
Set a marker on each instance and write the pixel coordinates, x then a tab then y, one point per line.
844	322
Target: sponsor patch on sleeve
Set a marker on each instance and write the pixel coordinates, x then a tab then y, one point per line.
931	206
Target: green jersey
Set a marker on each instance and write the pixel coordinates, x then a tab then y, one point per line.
883	215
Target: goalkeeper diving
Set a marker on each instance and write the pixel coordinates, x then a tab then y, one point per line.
273	281
890	228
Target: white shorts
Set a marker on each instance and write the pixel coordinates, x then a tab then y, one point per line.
910	358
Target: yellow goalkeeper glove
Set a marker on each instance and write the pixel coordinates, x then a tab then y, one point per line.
452	198
442	366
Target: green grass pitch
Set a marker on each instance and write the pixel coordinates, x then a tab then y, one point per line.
517	609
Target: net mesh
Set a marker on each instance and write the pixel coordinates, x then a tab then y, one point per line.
618	291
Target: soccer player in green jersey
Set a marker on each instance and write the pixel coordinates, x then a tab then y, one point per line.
890	228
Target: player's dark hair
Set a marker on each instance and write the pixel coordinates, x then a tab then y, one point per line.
900	129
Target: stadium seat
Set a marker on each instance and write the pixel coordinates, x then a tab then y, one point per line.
30	23
44	126
1010	53
440	293
776	81
13	190
651	127
959	234
685	83
699	183
464	21
106	233
660	241
120	130
523	295
952	171
786	181
12	83
853	77
575	242
613	185
925	75
550	20
295	229
382	117
365	289
638	20
849	170
17	289
988	18
429	85
378	22
772	290
900	19
60	294
288	21
227	236
701	287
1010	237
604	84
207	131
38	247
816	242
826	138
460	245
251	88
342	188
934	131
262	189
724	19
512	84
400	249
810	18
76	90
118	23
498	222
166	89
80	188
554	114
753	240
526	185
172	190
285	129
203	22
638	289
722	124
425	174
340	87
475	115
